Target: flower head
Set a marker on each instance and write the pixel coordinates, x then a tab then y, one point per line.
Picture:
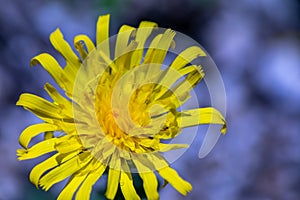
121	104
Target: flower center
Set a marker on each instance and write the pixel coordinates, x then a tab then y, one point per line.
124	123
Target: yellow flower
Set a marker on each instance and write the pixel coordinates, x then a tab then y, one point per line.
116	113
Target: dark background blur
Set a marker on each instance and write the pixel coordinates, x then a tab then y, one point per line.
256	46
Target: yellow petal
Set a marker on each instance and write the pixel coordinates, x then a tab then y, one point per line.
182	89
170	129
187	56
127	187
69	190
80	48
168	147
171	76
112	183
123	37
64	170
64	104
150	142
124	61
47	164
81	43
76	180
197	69
71	144
195	77
34	130
86	187
37	150
199	116
143	32
108	61
159	48
41	107
126	183
54	69
41	168
150	183
106	148
147	24
59	173
102	34
180	93
155	55
175	180
38	105
63	47
113	177
86	40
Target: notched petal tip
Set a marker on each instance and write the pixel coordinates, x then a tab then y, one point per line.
21	152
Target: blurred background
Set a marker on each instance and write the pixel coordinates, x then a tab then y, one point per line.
256	46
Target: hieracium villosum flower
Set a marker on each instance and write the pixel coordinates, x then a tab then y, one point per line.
119	109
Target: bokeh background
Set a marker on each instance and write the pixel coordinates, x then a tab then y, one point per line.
256	46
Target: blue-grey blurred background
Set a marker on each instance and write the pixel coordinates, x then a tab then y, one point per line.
256	46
